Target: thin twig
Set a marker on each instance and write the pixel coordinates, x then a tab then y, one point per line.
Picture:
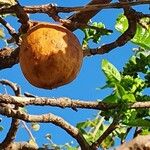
28	130
16	89
10	29
82	25
127	132
84	17
23	17
15	122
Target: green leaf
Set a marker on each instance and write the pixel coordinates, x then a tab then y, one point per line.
121	23
120	90
121	132
83	125
139	123
111	73
145	131
71	148
129	98
108	142
142	36
113	98
93	34
129	114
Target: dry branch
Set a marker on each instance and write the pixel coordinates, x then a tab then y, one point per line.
139	143
15	122
50	7
8	57
120	41
84	17
10	135
21	146
23	17
65	102
10	29
47	118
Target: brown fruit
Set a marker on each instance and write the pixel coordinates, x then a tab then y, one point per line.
50	55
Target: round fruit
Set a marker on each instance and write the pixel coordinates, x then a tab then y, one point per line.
50	55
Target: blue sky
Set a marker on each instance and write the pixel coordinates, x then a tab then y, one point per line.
83	87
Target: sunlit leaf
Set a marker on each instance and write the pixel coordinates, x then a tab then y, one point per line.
142	36
129	98
120	90
112	74
93	34
108	142
113	98
145	131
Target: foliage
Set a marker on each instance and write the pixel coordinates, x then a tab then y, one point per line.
142	36
128	86
93	34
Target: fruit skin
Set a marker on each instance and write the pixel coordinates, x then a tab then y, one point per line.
50	55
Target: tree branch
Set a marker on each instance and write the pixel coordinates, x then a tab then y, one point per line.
140	142
65	102
16	89
21	146
84	17
46	118
15	122
23	17
120	41
10	29
50	7
8	57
